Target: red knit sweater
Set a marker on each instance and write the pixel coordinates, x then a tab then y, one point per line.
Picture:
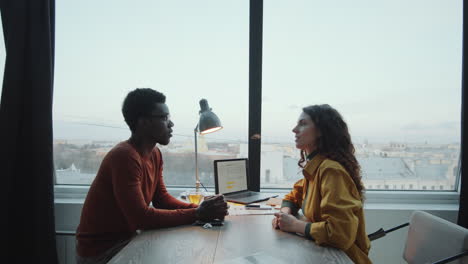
118	201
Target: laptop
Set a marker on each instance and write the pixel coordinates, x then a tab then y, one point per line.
231	177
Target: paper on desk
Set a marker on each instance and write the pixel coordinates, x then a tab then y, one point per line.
274	201
240	210
235	204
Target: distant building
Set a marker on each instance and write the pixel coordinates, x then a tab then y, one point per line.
72	175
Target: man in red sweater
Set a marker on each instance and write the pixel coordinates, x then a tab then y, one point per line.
130	177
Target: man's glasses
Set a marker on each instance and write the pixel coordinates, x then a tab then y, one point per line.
162	117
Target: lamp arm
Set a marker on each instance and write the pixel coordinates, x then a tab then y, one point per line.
197	179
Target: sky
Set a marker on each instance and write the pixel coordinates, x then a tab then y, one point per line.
392	68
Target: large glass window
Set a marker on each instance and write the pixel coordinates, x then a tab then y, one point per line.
188	50
391	68
2	58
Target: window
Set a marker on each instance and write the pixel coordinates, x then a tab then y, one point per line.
2	58
187	50
393	76
391	68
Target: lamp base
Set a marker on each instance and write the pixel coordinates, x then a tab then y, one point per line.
197	185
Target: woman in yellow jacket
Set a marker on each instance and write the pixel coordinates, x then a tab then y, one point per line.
331	192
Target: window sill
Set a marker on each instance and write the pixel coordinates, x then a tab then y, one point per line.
375	200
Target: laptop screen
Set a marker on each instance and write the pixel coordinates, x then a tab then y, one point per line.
230	175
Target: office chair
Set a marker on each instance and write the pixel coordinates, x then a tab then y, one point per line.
381	232
431	239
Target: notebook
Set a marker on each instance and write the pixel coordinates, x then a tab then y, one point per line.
231	178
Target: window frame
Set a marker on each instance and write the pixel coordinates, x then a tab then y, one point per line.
407	196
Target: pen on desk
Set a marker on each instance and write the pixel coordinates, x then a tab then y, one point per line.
258	208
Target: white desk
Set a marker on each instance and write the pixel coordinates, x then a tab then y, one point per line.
242	239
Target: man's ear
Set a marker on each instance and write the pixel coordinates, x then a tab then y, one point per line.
141	122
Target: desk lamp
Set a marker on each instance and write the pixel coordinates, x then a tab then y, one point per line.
207	123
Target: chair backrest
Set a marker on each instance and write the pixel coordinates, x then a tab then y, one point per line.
431	238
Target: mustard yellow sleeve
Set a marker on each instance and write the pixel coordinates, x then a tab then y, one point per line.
340	201
293	199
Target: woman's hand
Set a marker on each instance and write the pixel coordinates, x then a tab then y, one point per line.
274	222
289	223
286	210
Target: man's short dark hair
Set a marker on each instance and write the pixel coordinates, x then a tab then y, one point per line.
139	103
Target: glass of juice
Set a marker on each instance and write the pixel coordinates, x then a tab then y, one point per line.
195	196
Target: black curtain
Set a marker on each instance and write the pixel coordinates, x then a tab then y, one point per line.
463	211
26	161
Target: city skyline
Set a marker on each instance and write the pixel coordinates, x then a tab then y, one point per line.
391	166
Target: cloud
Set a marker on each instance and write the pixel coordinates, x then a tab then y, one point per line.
293	107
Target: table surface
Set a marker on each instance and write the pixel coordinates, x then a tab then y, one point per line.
242	239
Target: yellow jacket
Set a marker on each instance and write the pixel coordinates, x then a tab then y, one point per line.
331	202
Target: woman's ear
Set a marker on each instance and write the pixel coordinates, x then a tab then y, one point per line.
319	133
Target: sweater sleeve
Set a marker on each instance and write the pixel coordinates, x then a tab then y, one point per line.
127	174
162	198
339	203
294	199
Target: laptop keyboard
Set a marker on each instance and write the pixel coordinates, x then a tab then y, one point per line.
242	195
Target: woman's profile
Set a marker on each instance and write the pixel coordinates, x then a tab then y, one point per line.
331	192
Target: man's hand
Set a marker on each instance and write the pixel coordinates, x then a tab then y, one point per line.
212	207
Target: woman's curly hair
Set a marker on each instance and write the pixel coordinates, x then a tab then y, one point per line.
334	142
